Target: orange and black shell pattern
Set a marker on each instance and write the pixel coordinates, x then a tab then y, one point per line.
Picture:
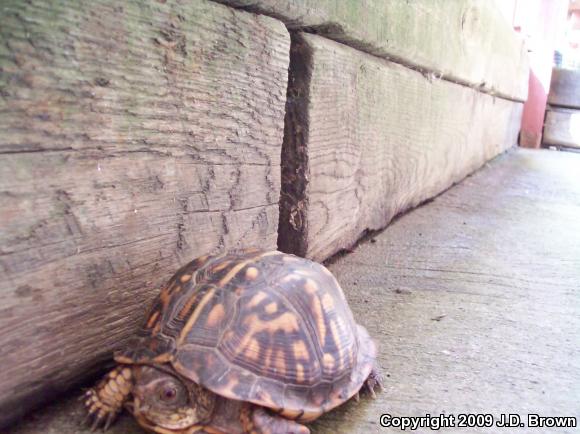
259	326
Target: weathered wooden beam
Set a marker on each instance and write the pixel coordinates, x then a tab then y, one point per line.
467	41
133	137
562	127
367	139
565	88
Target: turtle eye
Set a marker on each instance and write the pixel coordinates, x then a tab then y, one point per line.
168	393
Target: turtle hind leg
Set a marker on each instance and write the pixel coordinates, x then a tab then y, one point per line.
261	421
105	401
373	381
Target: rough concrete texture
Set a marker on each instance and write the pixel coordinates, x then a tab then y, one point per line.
468	41
472	298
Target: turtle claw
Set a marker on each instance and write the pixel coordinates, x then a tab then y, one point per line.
95	424
99	419
86	419
375	380
109	421
98	414
84	396
105	401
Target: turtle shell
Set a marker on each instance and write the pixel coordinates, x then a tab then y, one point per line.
265	327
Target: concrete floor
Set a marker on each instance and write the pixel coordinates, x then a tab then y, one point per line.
473	298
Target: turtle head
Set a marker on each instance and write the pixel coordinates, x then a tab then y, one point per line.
165	401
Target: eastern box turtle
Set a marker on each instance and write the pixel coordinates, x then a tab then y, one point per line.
245	342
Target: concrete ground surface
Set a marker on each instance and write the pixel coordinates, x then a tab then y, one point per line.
473	299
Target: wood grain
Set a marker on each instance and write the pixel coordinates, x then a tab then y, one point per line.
464	41
562	127
133	137
380	139
564	88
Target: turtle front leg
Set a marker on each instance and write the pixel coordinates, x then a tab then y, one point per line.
258	420
105	401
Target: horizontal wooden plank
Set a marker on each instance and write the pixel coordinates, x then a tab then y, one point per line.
565	88
562	127
133	137
467	41
367	139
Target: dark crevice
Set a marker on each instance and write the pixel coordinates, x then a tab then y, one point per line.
292	228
